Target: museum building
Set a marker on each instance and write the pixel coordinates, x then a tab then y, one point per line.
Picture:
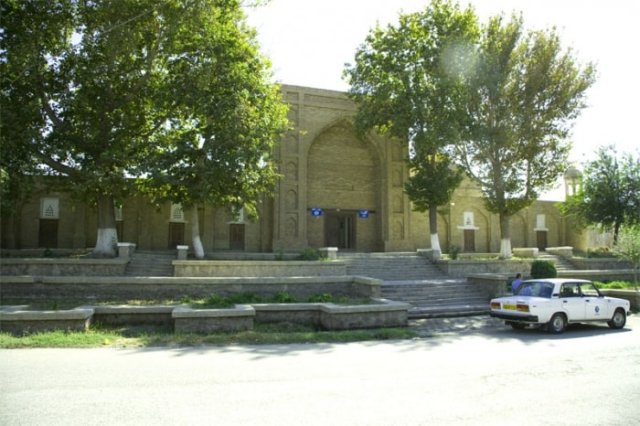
336	190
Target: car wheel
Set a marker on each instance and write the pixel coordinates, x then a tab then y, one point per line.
557	324
618	320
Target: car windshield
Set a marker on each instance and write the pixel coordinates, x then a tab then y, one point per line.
535	289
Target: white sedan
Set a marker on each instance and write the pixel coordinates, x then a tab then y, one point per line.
556	302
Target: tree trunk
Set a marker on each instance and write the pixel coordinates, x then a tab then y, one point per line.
433	227
505	237
107	240
198	250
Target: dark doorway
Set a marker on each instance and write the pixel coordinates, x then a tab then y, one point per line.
541	237
236	236
120	230
469	240
340	230
176	234
48	233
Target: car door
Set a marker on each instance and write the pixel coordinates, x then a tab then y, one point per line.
571	301
596	306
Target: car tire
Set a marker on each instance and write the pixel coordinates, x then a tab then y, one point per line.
557	324
618	320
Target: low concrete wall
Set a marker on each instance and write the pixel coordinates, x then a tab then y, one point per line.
18	320
566	252
632	296
89	290
463	268
189	320
266	268
599	263
494	285
599	275
157	315
63	267
329	316
525	252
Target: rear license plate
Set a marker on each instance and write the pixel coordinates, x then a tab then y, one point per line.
509	307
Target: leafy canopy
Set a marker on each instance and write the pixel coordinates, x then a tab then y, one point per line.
524	95
408	83
608	195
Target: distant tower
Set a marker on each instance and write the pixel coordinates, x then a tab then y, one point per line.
572	181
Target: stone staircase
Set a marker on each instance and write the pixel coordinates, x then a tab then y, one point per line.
151	264
391	266
411	278
441	298
559	262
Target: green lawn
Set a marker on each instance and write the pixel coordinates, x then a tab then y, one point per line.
135	337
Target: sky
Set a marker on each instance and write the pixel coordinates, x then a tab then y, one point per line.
310	41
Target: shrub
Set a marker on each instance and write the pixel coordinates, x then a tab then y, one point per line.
283	297
543	269
453	252
321	298
310	254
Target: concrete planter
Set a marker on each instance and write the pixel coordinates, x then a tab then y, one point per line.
265	268
159	315
18	320
189	320
64	267
632	296
463	268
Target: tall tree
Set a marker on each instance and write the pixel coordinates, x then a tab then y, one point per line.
104	78
608	195
523	99
407	82
224	120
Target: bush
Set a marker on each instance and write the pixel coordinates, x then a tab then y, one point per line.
310	254
453	252
543	269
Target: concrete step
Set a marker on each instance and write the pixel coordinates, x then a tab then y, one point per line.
150	264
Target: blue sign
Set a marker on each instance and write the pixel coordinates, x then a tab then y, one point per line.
317	212
363	214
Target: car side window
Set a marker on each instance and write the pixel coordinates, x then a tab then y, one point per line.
569	290
588	290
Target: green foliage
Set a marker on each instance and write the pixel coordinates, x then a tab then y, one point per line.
543	269
628	247
310	254
173	90
522	98
608	196
599	253
619	285
283	297
454	251
408	83
321	298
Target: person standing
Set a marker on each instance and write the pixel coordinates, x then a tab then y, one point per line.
516	283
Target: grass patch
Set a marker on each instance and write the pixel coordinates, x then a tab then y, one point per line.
618	285
136	337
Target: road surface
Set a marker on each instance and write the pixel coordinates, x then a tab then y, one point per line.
490	374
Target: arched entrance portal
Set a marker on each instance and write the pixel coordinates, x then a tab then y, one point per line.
343	180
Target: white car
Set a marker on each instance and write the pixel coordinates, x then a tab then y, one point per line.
556	302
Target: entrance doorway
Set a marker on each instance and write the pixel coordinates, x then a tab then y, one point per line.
340	230
48	233
176	234
236	236
541	237
469	240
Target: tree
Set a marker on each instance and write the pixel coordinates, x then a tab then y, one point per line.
628	247
525	93
608	195
407	82
224	121
102	80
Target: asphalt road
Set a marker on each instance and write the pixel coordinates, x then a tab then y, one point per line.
468	371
